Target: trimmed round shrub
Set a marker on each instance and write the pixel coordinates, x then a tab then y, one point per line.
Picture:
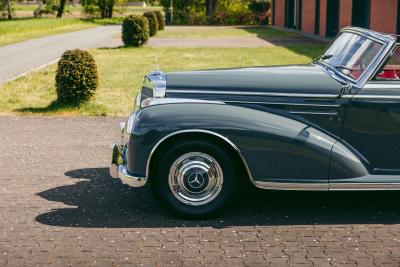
76	77
135	30
160	20
153	23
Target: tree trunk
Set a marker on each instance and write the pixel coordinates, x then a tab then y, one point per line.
103	5
60	11
211	6
38	11
110	8
9	11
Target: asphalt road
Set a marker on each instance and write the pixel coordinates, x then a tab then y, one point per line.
59	207
17	59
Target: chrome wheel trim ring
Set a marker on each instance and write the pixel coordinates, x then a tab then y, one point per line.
195	178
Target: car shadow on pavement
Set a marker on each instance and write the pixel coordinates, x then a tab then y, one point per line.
100	201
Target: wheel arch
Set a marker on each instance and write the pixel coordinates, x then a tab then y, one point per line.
198	134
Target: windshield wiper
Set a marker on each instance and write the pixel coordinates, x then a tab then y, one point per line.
322	57
349	69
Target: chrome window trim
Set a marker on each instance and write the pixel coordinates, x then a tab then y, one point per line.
389	43
241	93
375	63
157	80
224	138
388	54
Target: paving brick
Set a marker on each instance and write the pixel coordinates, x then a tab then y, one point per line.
67	211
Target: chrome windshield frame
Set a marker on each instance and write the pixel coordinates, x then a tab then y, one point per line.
388	43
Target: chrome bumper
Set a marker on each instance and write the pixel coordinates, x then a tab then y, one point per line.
119	170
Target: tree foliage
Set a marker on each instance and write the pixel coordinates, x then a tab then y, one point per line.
217	11
6	8
104	7
186	11
260	9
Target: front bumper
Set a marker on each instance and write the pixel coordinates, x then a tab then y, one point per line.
118	169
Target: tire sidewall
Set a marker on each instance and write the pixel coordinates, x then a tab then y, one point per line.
161	187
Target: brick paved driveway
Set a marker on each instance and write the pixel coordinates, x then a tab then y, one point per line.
58	206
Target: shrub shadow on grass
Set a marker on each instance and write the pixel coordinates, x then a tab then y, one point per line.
54	106
298	44
89	108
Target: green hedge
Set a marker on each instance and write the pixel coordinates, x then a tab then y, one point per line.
76	77
160	20
153	23
135	30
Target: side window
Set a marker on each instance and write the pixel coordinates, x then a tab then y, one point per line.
391	70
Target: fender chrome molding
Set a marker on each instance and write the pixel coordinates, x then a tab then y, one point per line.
306	112
223	138
241	93
282	103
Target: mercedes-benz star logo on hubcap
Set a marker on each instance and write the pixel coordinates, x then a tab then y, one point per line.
196	180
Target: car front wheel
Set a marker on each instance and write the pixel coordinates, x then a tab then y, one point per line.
195	179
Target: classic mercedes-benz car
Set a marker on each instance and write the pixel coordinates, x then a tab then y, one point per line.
333	124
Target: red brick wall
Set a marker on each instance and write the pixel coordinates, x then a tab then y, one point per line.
383	15
308	16
322	18
279	10
345	13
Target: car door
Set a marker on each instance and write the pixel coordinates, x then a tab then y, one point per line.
372	122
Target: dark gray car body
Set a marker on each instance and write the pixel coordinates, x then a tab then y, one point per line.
302	127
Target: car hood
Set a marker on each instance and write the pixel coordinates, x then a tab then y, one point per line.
279	80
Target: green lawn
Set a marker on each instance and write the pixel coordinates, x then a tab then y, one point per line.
12	31
221	31
121	73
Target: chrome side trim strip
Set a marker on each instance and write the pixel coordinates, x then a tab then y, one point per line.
225	139
327	186
165	101
313	112
376	97
283	103
347	96
206	92
293	186
363	186
388	97
379	85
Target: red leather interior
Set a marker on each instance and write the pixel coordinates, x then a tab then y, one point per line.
391	72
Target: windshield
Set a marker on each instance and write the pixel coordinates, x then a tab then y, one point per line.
351	54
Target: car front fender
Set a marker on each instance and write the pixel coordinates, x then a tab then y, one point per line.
274	147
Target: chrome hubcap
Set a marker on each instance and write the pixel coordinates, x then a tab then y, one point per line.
195	178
